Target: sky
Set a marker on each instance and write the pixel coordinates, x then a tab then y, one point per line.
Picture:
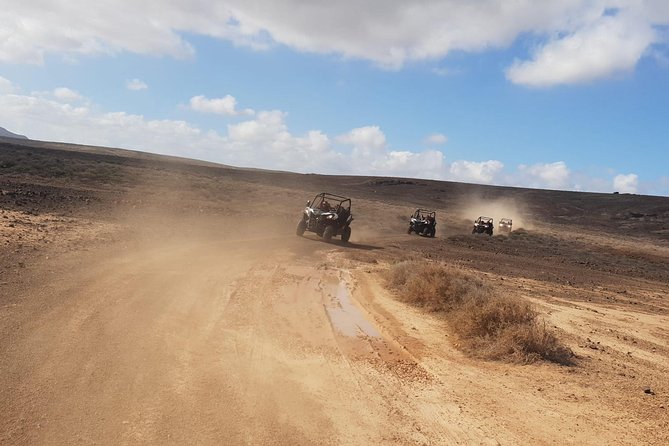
570	95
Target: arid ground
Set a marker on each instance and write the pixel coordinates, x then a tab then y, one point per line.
155	300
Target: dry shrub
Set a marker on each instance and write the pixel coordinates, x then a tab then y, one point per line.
433	286
503	327
487	315
528	343
399	273
488	325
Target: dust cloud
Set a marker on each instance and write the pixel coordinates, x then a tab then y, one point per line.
472	207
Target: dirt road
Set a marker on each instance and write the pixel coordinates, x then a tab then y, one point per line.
273	340
232	342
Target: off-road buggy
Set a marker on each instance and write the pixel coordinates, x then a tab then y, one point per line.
505	225
483	225
423	222
327	215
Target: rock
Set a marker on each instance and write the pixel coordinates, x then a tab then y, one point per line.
648	391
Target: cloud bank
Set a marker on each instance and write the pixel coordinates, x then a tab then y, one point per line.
574	40
626	183
264	140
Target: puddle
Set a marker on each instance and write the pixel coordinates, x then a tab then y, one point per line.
345	317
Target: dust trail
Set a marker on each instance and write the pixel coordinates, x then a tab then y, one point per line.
473	206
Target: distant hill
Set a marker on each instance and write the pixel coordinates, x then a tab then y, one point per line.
4	133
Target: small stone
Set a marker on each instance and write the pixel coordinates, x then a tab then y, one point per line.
648	391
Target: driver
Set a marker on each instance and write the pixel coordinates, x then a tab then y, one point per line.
325	206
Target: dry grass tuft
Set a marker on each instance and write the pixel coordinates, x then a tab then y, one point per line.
433	286
489	325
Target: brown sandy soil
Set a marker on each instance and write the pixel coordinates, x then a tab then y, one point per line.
152	300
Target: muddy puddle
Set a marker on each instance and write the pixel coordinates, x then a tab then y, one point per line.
345	317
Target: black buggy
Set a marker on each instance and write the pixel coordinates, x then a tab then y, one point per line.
327	215
423	222
483	225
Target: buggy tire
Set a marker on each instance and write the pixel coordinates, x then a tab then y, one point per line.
432	232
474	231
301	227
426	232
410	230
328	233
346	234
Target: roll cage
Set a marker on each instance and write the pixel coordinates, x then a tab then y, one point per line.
422	214
335	202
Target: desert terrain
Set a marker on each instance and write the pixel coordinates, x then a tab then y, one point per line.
155	300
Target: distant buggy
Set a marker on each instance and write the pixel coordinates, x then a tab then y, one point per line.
423	222
327	215
483	225
505	225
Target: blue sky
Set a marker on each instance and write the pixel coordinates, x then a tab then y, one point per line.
567	96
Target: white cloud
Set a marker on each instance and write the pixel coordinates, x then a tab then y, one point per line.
387	32
367	142
370	155
33	30
551	175
266	142
477	172
135	85
6	85
226	105
51	120
66	94
609	45
429	164
626	183
435	139
262	142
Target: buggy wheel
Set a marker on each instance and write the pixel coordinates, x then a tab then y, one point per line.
432	232
301	227
410	230
489	232
328	233
426	232
474	231
346	234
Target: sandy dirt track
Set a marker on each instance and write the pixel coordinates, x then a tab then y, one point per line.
145	313
231	342
252	342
